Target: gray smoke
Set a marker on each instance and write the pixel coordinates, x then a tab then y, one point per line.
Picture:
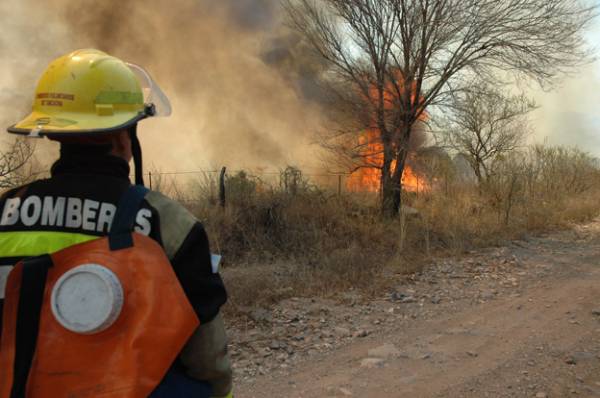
233	103
245	90
569	115
250	14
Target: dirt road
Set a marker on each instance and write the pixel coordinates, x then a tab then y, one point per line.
517	321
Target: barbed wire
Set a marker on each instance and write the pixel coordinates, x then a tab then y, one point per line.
234	172
337	181
249	172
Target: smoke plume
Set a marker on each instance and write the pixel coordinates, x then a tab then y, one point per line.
569	116
216	60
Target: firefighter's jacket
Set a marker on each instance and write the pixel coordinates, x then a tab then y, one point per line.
77	204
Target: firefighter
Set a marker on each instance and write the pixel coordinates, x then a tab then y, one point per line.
91	103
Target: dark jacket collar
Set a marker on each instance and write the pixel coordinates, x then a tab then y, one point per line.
89	160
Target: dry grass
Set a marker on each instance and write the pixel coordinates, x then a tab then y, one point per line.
296	239
291	238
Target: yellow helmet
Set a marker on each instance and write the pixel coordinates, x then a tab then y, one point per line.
89	92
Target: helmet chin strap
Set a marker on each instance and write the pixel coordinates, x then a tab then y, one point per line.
136	150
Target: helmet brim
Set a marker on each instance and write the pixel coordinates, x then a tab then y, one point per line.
72	124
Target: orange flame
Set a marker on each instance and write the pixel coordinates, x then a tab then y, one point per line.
369	178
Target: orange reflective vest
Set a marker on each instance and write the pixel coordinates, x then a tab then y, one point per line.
129	356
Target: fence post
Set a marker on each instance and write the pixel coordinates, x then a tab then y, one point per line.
222	187
150	179
339	185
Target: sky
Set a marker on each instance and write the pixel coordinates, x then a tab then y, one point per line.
570	114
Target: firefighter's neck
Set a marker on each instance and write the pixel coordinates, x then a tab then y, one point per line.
121	146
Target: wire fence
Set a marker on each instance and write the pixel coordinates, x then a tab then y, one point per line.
339	182
185	185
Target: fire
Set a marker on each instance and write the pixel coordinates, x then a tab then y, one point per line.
369	178
413	182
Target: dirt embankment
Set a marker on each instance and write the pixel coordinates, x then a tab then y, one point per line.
517	321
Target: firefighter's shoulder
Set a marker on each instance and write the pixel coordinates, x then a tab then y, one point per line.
176	221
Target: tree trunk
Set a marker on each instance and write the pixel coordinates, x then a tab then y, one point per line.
387	188
478	175
476	167
391	180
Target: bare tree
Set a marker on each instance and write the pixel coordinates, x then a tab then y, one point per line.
390	60
16	166
485	124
